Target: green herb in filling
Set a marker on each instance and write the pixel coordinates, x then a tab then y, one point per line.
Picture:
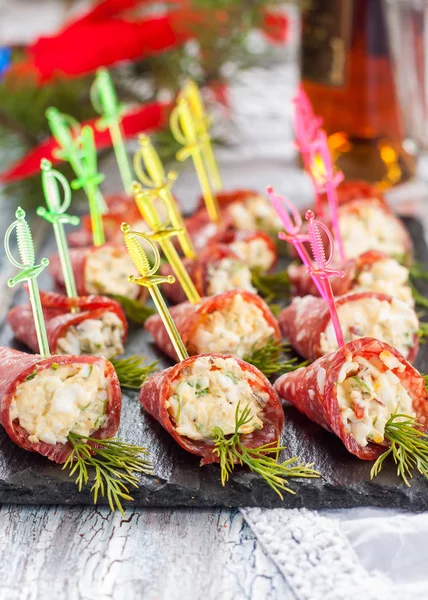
362	383
54	366
31	375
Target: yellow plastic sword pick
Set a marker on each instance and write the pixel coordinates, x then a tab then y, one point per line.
203	124
184	130
151	281
160	187
162	234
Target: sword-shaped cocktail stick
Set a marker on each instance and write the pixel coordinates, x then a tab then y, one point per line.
29	272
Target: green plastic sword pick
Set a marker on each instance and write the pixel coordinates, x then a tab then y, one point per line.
67	132
160	187
90	180
55	214
149	279
30	271
105	102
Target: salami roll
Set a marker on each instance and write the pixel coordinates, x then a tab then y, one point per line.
202	392
247	210
354	391
254	248
42	400
302	283
306	323
348	191
236	323
99	270
217	270
99	327
201	229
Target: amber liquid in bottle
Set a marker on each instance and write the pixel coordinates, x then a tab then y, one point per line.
347	74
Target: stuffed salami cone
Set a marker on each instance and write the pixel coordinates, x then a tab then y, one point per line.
99	328
43	400
236	323
201	229
99	270
202	393
254	248
372	272
347	191
354	391
216	270
307	326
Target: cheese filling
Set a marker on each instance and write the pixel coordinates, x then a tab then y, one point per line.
371	229
69	398
392	322
254	213
386	276
254	253
107	270
97	337
207	395
239	328
369	394
228	274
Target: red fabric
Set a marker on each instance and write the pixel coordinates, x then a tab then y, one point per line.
58	318
317	399
303	324
188	317
155	393
230	236
16	366
198	270
303	285
146	117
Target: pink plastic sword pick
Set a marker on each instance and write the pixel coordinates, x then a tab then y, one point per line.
326	181
322	272
292	225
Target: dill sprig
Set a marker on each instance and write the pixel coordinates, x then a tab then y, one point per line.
270	359
420	300
423	332
418	271
408	447
132	372
115	463
272	286
231	451
134	310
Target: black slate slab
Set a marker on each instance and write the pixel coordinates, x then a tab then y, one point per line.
30	479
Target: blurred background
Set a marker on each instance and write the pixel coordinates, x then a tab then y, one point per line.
248	57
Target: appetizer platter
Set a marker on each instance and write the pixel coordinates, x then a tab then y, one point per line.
244	355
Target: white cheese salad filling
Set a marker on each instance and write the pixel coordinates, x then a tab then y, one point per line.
228	274
369	394
107	270
254	253
371	229
392	322
386	276
255	212
97	337
207	394
63	399
239	328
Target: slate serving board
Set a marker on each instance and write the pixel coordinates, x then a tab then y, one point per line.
28	478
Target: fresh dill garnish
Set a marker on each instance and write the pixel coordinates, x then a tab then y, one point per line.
361	383
132	372
115	463
270	358
275	308
134	310
31	375
272	286
419	299
418	271
423	331
231	451
408	447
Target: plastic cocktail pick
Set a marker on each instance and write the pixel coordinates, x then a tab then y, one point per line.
322	270
162	234
105	102
184	130
55	213
203	124
160	187
29	272
326	181
150	280
292	225
67	132
90	179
